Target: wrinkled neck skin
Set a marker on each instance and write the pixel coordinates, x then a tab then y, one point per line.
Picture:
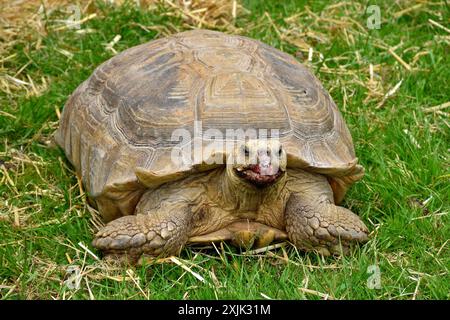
240	195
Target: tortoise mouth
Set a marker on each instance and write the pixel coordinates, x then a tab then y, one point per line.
257	177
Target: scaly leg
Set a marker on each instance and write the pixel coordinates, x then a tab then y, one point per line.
322	226
161	232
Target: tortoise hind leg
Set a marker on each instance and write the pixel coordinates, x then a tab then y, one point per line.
322	226
153	234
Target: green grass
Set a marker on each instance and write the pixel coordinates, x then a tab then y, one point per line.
403	147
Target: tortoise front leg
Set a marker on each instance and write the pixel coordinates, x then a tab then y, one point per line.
157	233
322	226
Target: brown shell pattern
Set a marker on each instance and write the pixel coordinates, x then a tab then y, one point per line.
123	116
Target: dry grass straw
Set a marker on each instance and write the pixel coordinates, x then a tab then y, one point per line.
22	22
28	21
218	14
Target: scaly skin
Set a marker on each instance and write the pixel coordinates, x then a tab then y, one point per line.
142	234
299	203
322	227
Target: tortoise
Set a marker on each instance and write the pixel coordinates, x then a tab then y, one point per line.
134	128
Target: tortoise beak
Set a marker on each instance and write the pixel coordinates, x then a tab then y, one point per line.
259	176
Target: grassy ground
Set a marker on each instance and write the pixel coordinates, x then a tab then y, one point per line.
391	84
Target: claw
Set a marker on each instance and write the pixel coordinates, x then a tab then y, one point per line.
265	239
324	228
243	238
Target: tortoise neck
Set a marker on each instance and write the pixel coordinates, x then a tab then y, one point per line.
241	195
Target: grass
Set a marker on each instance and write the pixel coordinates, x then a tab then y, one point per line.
396	113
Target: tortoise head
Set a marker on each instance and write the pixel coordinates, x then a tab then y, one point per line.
259	162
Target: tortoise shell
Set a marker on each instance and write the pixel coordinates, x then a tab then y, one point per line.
116	128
